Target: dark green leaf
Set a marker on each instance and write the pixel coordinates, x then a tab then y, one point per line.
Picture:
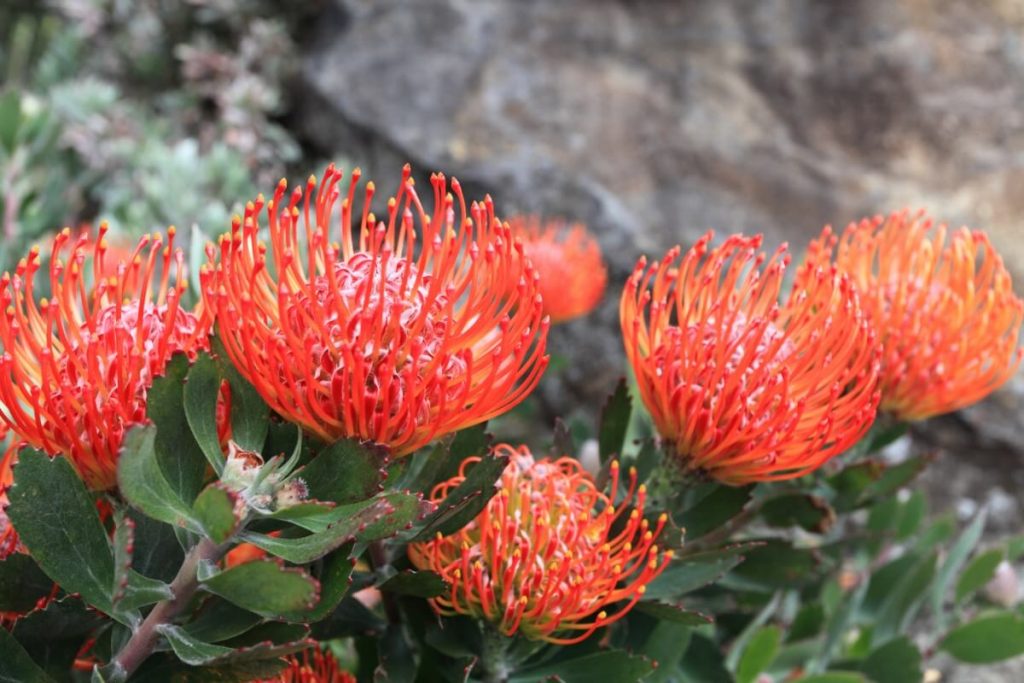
65	619
10	119
214	509
895	477
840	622
264	587
180	458
703	662
349	619
157	552
807	623
614	422
200	404
776	564
395	663
851	484
15	664
57	521
834	677
881	436
989	638
713	510
978	572
346	472
758	654
249	414
665	646
807	511
897	661
470	497
190	650
609	666
220	620
22	583
665	611
142	481
690	572
900	607
470	442
334	577
420	584
381	517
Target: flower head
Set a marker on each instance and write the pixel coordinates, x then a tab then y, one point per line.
312	666
75	367
745	388
568	260
550	555
394	331
944	309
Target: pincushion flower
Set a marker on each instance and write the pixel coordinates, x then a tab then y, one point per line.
741	387
568	260
75	368
312	666
550	556
394	331
942	303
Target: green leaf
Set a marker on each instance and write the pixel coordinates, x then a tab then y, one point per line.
897	661
264	587
901	605
473	441
703	662
220	620
395	663
467	500
214	509
895	477
142	482
758	654
806	511
714	509
130	589
346	472
66	619
180	457
157	552
665	611
776	564
57	521
197	653
200	404
842	618
987	639
665	646
351	618
978	572
613	423
22	583
955	560
807	623
834	677
609	666
420	584
334	577
249	414
693	571
15	664
380	517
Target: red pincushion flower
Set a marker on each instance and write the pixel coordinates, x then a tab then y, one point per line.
312	666
75	368
550	554
945	312
397	332
744	388
568	260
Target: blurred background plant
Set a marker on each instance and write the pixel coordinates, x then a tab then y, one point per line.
145	114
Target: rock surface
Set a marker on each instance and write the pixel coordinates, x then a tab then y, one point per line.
654	121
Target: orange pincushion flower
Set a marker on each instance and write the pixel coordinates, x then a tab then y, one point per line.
549	555
312	666
75	368
568	260
945	311
744	388
398	332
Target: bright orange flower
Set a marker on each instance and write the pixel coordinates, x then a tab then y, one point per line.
743	388
568	260
398	332
75	368
312	666
945	311
550	554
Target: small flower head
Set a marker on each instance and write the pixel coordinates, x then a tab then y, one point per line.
75	367
396	330
312	666
942	304
550	556
742	387
568	260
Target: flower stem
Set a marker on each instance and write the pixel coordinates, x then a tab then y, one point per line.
494	656
140	646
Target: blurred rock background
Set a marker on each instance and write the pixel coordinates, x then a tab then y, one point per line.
650	120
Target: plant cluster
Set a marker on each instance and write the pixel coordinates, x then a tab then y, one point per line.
291	480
